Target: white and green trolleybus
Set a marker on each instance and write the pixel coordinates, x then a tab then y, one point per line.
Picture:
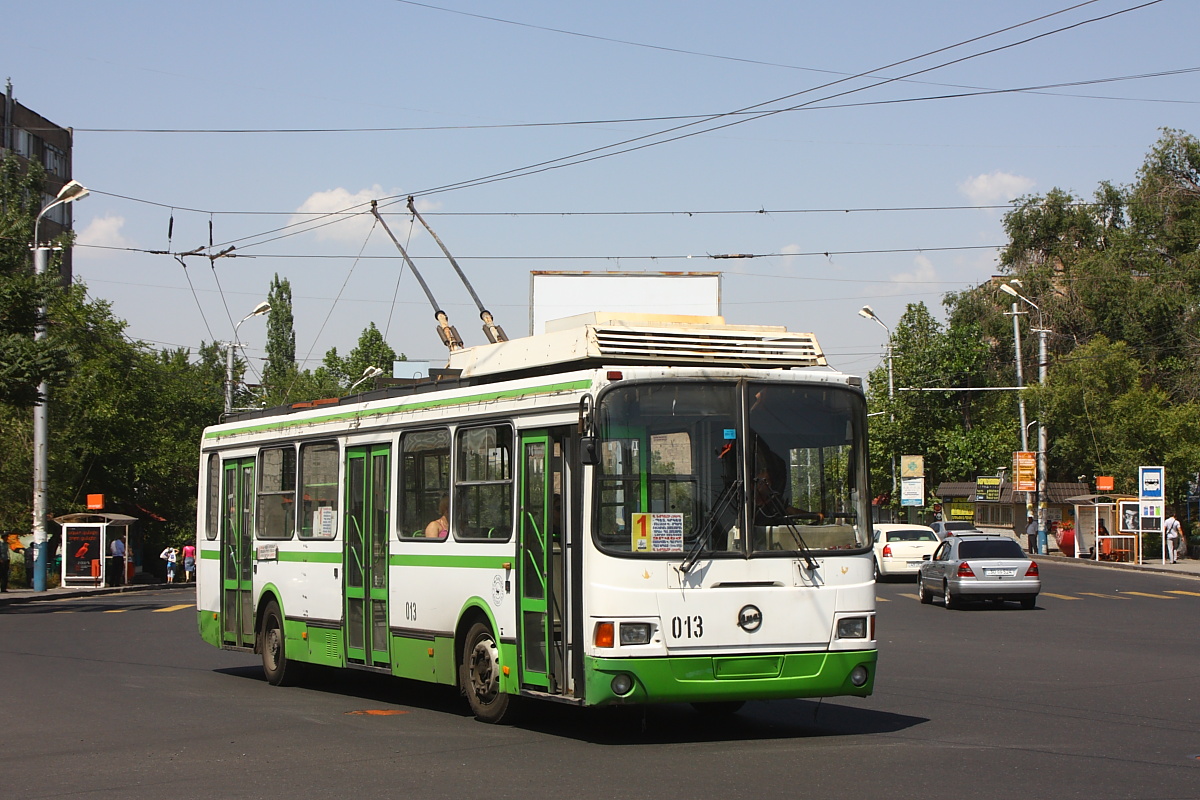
639	510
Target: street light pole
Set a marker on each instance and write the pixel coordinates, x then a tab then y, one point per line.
72	191
1021	400
261	308
867	312
1042	466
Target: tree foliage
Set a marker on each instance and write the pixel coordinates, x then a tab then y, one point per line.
1116	285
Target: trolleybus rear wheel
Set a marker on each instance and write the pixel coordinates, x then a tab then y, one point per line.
279	670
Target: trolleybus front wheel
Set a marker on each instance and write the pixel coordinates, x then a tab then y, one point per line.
479	677
276	666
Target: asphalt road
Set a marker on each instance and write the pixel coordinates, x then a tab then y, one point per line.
1091	695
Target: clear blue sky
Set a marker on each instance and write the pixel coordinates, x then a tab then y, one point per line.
448	77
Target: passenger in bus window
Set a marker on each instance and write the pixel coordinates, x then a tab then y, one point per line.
440	526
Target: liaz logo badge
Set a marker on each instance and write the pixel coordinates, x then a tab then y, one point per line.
749	619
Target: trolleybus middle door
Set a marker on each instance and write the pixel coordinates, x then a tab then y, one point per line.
534	579
237	552
367	526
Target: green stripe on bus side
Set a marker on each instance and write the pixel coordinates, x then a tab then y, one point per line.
469	562
212	555
310	558
504	394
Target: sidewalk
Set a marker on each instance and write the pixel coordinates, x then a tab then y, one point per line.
1186	567
22	594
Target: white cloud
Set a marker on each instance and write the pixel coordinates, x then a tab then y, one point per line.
356	219
105	232
995	187
922	272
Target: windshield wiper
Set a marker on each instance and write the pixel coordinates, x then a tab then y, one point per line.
729	495
776	507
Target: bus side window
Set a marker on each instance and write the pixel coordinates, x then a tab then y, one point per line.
424	480
318	490
483	484
276	493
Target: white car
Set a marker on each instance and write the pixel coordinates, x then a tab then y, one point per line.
901	548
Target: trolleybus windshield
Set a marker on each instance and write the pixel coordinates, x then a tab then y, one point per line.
672	453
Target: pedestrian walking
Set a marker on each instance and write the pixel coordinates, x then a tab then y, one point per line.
1172	530
189	562
171	555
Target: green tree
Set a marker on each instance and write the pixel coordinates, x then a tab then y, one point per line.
24	363
371	351
280	371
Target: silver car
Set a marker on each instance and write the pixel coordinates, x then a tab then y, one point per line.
979	566
944	529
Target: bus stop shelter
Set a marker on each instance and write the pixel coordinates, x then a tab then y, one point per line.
86	540
1119	544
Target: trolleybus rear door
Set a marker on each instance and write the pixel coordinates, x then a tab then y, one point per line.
534	579
237	553
367	526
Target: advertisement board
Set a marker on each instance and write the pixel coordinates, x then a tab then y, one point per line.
81	548
1024	471
987	489
912	492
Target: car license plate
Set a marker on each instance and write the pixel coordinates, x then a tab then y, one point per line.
1000	573
914	563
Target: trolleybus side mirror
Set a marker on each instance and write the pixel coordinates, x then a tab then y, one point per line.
589	450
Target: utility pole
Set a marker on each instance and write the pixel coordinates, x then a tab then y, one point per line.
1043	485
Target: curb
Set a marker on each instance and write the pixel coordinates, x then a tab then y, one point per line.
29	596
1087	562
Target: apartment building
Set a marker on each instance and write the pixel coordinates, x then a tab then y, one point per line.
33	138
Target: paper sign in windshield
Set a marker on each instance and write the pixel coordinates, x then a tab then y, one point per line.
657	533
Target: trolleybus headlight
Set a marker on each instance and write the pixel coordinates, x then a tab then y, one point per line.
635	633
622	685
859	675
852	628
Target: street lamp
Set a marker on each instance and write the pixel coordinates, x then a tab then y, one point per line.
71	192
1041	331
261	308
368	373
866	312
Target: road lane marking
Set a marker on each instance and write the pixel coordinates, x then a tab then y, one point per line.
174	608
1059	596
879	599
116	611
1148	594
1181	591
1105	596
911	595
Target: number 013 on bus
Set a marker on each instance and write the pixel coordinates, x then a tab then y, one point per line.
621	510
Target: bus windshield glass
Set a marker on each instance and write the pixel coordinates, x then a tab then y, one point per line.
730	469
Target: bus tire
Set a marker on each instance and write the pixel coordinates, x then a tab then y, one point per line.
277	667
479	677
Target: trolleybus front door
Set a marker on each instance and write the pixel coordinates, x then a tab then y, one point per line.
367	526
537	520
237	553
